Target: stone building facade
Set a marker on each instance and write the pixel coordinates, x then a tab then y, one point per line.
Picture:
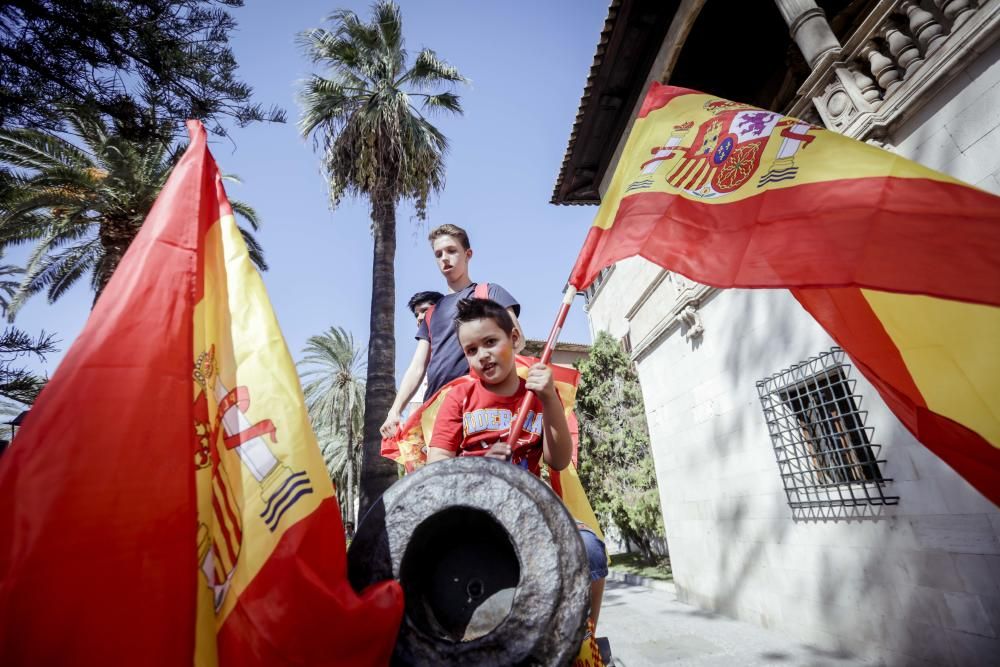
901	564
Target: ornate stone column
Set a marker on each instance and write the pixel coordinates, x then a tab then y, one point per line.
808	27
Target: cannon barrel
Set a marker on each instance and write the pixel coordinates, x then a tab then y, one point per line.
491	565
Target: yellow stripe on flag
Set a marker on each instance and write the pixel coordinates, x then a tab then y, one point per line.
952	351
281	479
698	133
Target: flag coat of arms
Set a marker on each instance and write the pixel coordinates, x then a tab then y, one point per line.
409	446
165	501
899	263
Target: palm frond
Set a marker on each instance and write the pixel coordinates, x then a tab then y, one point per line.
56	273
442	102
359	110
253	248
334	369
428	70
247	212
65	199
31	149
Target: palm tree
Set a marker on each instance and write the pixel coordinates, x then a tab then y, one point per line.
82	206
8	284
377	144
334	386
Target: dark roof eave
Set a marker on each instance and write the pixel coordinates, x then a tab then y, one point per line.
630	41
595	67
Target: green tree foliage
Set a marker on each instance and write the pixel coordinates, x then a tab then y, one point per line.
18	386
368	112
616	461
124	58
333	374
81	207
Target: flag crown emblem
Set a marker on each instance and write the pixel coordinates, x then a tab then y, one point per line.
724	152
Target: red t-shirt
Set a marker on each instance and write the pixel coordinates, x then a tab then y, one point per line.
472	418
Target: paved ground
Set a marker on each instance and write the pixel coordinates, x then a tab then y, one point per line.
649	628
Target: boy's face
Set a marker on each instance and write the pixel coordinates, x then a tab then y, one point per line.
420	311
489	351
452	259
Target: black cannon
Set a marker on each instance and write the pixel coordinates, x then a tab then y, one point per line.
490	562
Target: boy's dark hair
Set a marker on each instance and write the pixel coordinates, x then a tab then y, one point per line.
430	297
450	230
470	310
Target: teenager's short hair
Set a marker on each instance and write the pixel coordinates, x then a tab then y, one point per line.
430	297
450	230
470	310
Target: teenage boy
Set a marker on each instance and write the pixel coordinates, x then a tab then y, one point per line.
421	302
475	419
438	353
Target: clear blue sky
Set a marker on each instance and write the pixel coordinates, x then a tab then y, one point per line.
527	62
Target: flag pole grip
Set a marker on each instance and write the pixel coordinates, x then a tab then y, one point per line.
550	344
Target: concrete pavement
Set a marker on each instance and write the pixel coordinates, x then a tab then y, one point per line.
649	628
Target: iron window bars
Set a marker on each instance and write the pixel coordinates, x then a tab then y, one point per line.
824	450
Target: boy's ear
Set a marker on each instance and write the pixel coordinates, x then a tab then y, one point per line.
515	336
468	254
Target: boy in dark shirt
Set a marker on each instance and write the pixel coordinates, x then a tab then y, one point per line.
475	418
421	302
438	353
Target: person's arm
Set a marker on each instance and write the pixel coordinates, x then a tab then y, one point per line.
435	454
557	444
411	381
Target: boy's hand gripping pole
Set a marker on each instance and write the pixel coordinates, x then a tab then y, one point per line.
550	344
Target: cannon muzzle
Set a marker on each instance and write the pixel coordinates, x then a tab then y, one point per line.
491	564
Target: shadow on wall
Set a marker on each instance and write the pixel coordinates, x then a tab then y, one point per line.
849	598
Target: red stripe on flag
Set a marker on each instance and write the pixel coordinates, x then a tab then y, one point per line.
98	563
846	314
293	613
882	233
231	509
227	537
659	96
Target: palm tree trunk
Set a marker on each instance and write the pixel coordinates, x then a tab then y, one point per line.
116	237
378	473
349	491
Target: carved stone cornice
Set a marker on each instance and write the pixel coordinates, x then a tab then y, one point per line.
684	312
899	52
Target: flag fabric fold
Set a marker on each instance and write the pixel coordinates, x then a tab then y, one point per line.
165	501
899	263
409	446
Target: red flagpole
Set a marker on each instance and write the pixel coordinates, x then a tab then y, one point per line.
550	344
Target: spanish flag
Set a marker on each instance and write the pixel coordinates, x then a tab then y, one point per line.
409	446
165	503
899	263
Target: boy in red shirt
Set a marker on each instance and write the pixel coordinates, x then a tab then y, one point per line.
475	418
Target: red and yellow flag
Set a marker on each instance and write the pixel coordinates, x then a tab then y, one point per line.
165	502
898	262
409	446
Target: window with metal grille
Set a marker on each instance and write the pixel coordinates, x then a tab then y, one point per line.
825	452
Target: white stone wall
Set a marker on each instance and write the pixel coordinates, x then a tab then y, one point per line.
915	582
958	132
919	584
617	293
